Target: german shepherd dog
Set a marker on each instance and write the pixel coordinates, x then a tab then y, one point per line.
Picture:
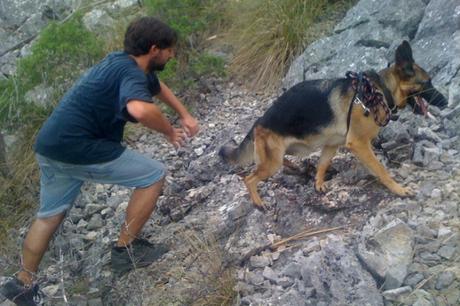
328	113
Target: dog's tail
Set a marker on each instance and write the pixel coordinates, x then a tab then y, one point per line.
241	155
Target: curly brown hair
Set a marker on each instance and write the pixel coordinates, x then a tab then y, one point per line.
145	32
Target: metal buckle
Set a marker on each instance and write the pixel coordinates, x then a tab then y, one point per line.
359	102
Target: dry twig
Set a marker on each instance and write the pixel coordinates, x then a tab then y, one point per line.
275	245
303	234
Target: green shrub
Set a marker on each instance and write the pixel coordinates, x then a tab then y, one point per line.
207	64
192	19
61	52
57	58
184	76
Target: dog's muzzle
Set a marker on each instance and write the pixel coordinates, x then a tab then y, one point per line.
427	96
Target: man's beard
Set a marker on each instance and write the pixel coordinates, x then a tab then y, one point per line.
153	66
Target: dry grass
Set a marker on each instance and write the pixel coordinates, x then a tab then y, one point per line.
204	277
18	192
267	35
217	282
196	275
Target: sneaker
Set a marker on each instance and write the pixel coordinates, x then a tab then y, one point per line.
140	253
15	290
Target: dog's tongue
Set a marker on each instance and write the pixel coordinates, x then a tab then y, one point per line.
422	105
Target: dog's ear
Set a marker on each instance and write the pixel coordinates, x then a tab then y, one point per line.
404	60
404	53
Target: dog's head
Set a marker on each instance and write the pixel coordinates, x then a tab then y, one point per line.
414	84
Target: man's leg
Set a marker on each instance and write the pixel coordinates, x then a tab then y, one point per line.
133	170
140	207
36	244
58	191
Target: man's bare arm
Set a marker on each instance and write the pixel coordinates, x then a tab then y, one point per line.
150	115
189	123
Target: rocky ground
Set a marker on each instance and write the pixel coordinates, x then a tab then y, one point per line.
375	248
386	250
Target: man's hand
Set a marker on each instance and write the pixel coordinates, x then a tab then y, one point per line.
190	125
177	137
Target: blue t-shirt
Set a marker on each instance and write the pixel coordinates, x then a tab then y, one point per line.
87	125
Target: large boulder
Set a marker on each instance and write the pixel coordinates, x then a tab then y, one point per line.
437	42
338	277
365	39
387	253
368	35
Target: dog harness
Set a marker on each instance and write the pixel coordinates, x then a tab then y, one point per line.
368	98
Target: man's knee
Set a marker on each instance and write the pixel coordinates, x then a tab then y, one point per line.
158	173
159	183
161	171
51	221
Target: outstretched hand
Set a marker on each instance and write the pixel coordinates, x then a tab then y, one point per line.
177	137
190	125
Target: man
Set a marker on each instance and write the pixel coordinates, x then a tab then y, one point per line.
81	142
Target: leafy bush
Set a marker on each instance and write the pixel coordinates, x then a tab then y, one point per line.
57	59
192	19
207	64
61	51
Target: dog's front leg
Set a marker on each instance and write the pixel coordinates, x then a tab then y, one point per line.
327	154
269	151
363	150
251	184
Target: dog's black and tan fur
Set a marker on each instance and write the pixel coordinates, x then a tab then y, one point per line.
313	115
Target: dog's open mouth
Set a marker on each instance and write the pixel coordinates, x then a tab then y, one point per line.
418	103
420	106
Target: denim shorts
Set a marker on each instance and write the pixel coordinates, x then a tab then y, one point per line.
60	182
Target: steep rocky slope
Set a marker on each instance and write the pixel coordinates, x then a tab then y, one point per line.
380	250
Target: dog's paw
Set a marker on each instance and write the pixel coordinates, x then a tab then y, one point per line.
404	191
258	203
260	206
320	187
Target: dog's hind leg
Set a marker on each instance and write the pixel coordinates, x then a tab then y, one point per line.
269	151
363	150
327	154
